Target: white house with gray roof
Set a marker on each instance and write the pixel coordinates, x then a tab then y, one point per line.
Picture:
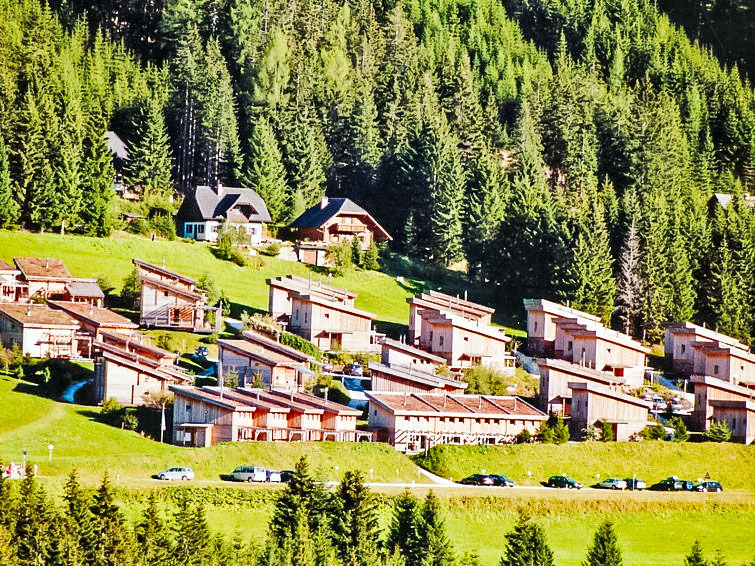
202	213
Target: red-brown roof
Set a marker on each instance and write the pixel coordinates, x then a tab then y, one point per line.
5	266
95	315
37	315
440	404
42	268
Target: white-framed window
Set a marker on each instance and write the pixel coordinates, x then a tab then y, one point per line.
189	228
200	229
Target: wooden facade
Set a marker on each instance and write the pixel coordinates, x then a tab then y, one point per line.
555	376
725	362
93	321
739	416
395	353
709	390
412	422
439	302
40	331
679	341
541	326
11	289
464	343
203	416
282	290
593	404
171	300
410	379
42	277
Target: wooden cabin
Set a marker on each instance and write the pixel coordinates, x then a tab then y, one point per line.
336	221
442	303
410	379
39	330
94	320
282	289
171	300
395	353
593	404
557	375
710	389
42	277
725	362
464	343
203	416
678	342
413	422
739	416
541	327
10	286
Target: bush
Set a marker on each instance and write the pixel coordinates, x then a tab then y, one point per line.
300	344
681	434
130	421
371	258
340	256
654	432
606	432
132	287
718	432
111	412
164	225
524	437
590	433
271	250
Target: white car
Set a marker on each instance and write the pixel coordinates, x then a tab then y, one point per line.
273	476
249	473
176	474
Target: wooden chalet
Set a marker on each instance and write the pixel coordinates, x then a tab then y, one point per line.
710	390
541	326
594	404
39	330
680	339
440	302
396	353
409	379
335	221
94	320
260	357
42	277
203	416
556	376
282	290
203	212
9	284
129	368
412	422
171	300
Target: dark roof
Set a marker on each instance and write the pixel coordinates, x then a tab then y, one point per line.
232	203
42	267
84	288
317	215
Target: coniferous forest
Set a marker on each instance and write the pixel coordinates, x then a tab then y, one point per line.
566	149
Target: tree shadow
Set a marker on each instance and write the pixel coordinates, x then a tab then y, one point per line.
391	329
238	308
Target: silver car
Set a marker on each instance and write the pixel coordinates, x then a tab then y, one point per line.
249	473
176	474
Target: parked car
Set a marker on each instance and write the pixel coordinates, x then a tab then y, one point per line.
673	484
178	473
201	351
273	476
288	475
249	473
563	482
612	483
477	479
502	481
635	483
708	485
356	370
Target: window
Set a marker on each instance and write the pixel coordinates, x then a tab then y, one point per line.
466	339
200	229
568	345
536	327
305	317
189	228
715	370
440	340
296	314
608	350
327	316
165	293
684	348
214	229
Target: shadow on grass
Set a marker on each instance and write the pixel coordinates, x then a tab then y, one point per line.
391	329
90	414
238	308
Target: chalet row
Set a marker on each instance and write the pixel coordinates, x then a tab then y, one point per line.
35	279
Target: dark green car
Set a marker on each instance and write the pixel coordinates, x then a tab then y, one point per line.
563	482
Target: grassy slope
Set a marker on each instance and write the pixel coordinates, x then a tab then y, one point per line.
732	464
81	442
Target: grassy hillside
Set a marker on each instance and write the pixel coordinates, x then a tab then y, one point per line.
32	423
732	464
379	293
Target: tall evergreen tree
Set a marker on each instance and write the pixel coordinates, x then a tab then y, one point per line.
79	522
153	545
437	548
266	174
151	164
695	557
9	208
97	191
355	523
113	541
629	289
605	549
404	534
526	545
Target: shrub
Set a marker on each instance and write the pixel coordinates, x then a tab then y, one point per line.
371	258
231	379
718	432
209	339
357	256
590	433
340	256
132	287
300	344
130	421
654	432
606	432
524	437
272	249
164	225
681	434
111	412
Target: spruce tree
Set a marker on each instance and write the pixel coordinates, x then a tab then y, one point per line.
266	174
97	191
404	533
526	545
9	207
301	493
32	523
151	162
695	557
113	541
605	549
79	521
437	548
153	545
355	520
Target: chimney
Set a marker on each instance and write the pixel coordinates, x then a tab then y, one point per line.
219	188
91	308
324	202
326	394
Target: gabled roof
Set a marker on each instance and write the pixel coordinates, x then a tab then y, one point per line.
580	371
316	216
691	328
255	351
42	268
447	404
304	285
455	321
5	266
270	344
135	344
37	315
417	376
608	392
96	315
84	288
232	203
169	287
557	309
708	381
163	272
335	305
411	350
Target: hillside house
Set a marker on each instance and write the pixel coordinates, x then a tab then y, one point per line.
282	289
206	209
9	284
259	357
556	376
332	324
592	404
410	379
541	327
42	277
335	221
442	303
171	300
203	416
679	341
93	321
395	353
412	422
725	362
739	416
129	370
464	343
709	390
40	331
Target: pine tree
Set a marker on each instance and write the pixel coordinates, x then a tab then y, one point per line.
97	191
152	541
437	548
695	557
79	521
357	257
605	549
404	533
113	544
629	290
355	521
151	163
526	545
266	174
372	257
192	537
9	208
32	524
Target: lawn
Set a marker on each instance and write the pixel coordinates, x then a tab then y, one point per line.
732	464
